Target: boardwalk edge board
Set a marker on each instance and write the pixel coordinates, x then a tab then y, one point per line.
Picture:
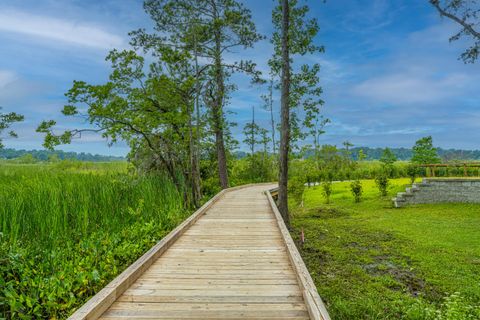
99	303
315	305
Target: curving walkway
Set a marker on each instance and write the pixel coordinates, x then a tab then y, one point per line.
230	262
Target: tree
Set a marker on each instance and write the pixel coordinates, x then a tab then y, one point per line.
294	35
361	155
424	152
149	111
211	28
251	130
316	131
264	140
347	145
256	135
465	13
285	114
388	157
6	120
268	105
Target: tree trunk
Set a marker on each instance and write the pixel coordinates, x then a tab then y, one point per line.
196	188
218	118
272	121
194	174
285	117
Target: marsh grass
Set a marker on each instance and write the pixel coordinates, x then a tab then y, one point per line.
46	204
67	229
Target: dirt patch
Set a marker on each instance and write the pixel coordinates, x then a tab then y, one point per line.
406	278
327	213
319	257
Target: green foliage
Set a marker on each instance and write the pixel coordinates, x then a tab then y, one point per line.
253	169
27	158
404	154
296	188
45	155
382	183
304	86
6	120
66	231
388	157
453	307
357	190
424	152
361	155
327	190
412	171
372	261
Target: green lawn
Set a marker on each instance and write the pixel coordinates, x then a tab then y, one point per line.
372	261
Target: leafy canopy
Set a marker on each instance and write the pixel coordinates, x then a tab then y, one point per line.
424	152
6	120
388	157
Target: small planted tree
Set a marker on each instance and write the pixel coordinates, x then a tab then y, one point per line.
382	182
424	152
357	190
388	158
412	171
327	190
296	187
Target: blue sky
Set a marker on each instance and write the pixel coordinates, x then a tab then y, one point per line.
389	73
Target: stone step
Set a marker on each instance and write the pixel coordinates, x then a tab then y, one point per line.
412	190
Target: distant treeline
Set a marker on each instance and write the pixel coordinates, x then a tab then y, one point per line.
44	155
406	153
370	153
400	153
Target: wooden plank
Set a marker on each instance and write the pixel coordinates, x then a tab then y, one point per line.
213	299
208	306
203	314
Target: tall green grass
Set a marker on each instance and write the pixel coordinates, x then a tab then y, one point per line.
46	204
68	228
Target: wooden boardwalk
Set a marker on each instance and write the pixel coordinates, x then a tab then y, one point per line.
230	260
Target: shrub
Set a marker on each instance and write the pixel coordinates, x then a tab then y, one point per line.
382	183
296	187
412	172
357	190
453	307
327	190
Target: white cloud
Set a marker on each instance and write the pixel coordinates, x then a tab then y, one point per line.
6	77
14	89
54	29
411	87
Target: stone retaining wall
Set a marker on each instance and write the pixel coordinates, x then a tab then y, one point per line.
437	190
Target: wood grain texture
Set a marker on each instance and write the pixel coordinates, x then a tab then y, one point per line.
229	260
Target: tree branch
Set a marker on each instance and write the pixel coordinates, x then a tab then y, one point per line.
468	27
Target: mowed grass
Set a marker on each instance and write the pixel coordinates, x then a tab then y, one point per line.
372	261
67	229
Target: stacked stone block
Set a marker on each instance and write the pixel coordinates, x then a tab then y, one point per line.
436	190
